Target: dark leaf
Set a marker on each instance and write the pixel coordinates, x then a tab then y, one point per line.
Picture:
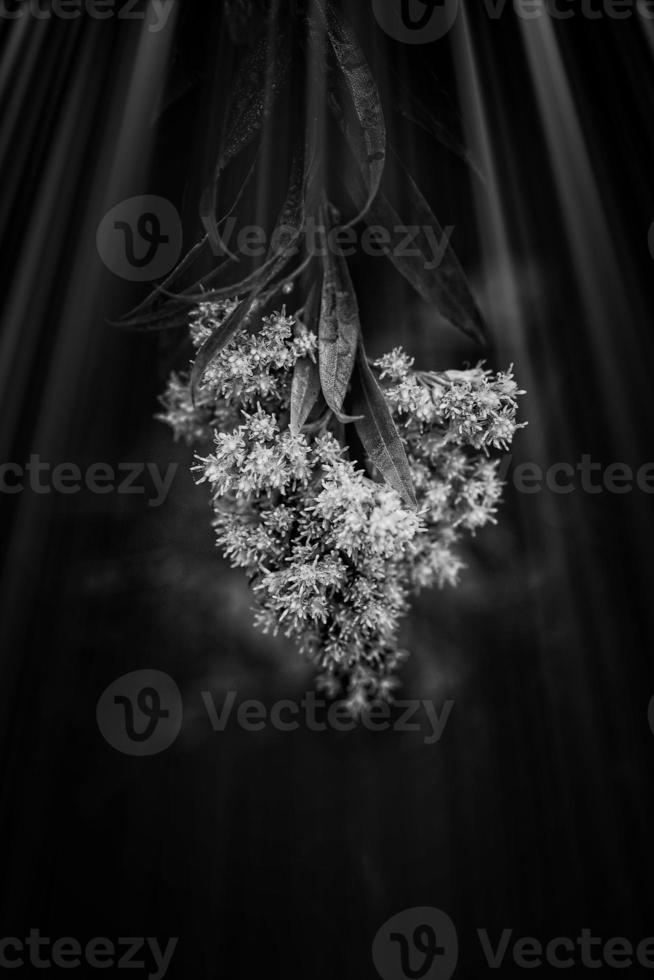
284	240
160	289
311	311
378	432
408	102
231	324
445	284
259	81
370	150
427	121
290	218
304	392
175	312
218	339
134	320
288	277
167	318
338	331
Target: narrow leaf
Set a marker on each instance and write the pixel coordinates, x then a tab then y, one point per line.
279	254
370	150
305	389
134	318
172	277
378	432
408	102
261	77
233	322
218	339
290	221
431	265
338	331
166	318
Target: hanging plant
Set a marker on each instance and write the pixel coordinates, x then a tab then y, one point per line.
340	485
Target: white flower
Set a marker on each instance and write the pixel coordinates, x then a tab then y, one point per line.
395	365
333	555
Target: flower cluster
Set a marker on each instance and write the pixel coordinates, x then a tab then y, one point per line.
333	555
449	422
475	407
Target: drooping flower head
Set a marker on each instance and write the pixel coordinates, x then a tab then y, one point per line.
332	553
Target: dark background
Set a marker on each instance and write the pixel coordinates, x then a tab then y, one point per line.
284	853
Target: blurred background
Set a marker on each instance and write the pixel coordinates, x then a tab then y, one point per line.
286	852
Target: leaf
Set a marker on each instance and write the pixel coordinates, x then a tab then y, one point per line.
161	289
218	339
165	318
135	320
261	77
426	120
233	322
291	220
291	217
407	101
456	301
371	149
378	432
305	389
338	330
175	312
446	285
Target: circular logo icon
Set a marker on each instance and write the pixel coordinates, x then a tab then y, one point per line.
140	713
416	21
417	944
140	239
